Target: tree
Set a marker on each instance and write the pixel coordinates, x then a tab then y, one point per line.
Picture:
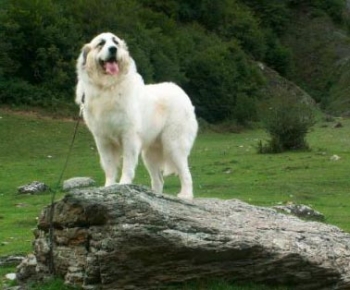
219	74
40	55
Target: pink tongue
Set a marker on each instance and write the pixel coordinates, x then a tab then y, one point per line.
112	68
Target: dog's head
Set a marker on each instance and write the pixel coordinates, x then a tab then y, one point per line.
105	57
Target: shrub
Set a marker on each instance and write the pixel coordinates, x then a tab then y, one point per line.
287	120
19	93
16	92
334	8
222	83
278	56
272	14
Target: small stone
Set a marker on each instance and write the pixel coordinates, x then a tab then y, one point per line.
338	125
78	182
27	268
301	211
19	205
33	188
10	276
335	157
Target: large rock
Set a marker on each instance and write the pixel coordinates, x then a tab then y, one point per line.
126	237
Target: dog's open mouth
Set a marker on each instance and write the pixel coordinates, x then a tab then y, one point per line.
110	66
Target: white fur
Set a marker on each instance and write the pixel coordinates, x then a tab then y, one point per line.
127	117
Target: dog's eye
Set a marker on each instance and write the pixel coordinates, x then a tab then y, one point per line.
115	41
101	43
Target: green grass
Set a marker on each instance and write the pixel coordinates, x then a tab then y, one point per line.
227	166
223	166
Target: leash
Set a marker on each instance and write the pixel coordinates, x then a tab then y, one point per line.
52	269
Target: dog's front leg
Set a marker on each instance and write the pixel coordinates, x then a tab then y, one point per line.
109	158
131	151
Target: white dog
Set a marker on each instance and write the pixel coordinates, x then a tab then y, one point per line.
127	117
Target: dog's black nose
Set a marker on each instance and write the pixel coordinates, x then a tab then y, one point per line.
112	49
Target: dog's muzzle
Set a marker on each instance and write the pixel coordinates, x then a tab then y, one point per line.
112	50
110	65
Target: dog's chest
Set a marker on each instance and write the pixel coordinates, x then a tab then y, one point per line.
108	116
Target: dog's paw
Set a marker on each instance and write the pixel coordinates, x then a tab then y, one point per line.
185	196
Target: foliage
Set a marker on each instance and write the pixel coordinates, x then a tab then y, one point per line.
287	121
273	14
40	48
217	74
207	47
278	56
323	49
334	8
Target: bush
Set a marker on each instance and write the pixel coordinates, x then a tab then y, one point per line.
21	94
334	8
222	83
17	92
272	14
233	20
287	120
278	56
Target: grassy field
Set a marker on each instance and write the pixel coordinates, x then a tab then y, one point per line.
223	166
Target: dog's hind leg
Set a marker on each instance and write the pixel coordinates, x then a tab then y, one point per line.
181	165
177	156
109	158
152	158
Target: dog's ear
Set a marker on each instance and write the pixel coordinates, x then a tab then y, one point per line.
123	44
125	58
84	52
79	93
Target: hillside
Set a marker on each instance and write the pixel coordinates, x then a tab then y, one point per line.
211	48
321	50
